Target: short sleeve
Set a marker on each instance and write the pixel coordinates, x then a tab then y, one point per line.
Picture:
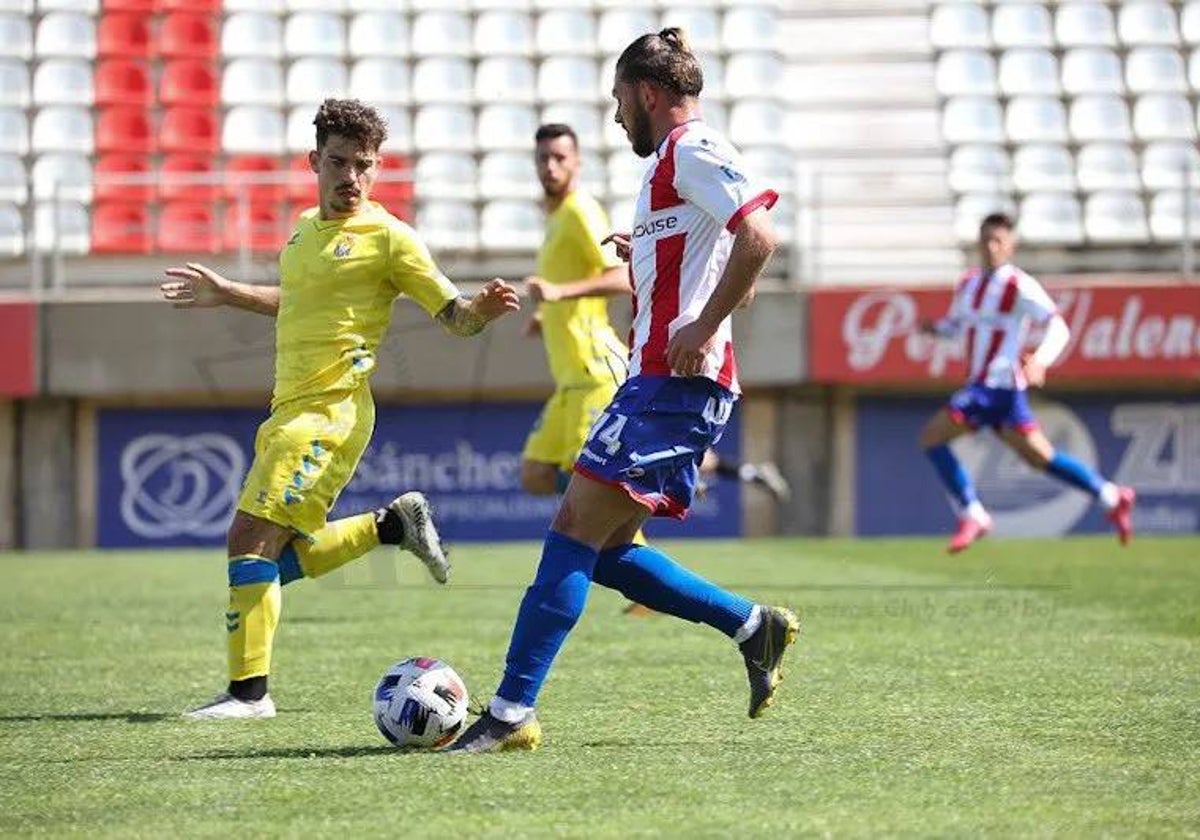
1034	301
718	185
415	274
592	228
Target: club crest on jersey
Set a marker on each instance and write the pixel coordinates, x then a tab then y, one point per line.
344	246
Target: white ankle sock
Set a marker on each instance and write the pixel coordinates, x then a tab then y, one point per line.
507	710
1110	495
976	511
750	627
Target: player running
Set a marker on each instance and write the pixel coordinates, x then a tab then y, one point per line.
994	306
700	239
344	265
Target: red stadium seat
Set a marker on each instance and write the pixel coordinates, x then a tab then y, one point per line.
195	130
124	129
175	169
118	163
123	35
186	227
187	35
262	193
293	210
147	7
212	7
121	82
395	192
190	81
302	183
121	227
261	226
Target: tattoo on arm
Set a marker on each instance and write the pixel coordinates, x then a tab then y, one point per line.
458	318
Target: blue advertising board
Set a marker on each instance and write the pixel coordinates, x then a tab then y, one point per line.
1150	444
171	477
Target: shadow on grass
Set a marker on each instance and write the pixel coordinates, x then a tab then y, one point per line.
83	717
294	752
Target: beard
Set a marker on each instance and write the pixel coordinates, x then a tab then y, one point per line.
639	134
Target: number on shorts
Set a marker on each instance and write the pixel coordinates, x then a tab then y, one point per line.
609	433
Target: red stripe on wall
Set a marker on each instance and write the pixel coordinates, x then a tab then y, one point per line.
18	349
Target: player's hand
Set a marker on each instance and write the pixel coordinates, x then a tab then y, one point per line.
688	348
495	299
541	290
197	286
622	242
533	327
1035	374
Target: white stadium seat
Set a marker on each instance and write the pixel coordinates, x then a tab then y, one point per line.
444	127
1189	23
703	26
503	127
441	33
1166	216
750	28
960	25
60	176
1086	24
1022	25
508	175
433	5
63	129
965	73
251	35
1147	23
566	32
503	5
15	90
751	74
448	225
383	34
316	34
400	129
1155	70
446	175
980	169
563	79
585	121
312	80
1029	73
1043	167
12	231
1165	162
16	37
503	32
972	208
972	119
1194	70
337	7
1100	118
1036	119
771	166
1108	166
14	132
356	6
507	78
270	7
626	171
64	81
752	121
66	34
250	129
717	116
562	4
442	79
18	7
299	133
1163	117
507	225
1092	70
713	69
1115	217
14	180
381	80
619	27
621	212
64	227
1051	219
252	81
87	7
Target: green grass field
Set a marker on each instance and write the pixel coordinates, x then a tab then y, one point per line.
1048	688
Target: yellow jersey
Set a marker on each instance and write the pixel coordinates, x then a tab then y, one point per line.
338	279
581	345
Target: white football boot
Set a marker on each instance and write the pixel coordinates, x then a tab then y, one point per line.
420	535
227	707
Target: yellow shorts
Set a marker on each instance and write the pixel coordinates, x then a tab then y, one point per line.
564	424
304	456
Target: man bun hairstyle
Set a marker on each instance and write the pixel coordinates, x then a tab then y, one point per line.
350	118
664	58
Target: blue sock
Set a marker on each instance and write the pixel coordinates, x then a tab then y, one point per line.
1071	470
549	610
289	566
954	477
644	574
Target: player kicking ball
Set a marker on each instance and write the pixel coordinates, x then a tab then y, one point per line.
701	237
994	306
344	265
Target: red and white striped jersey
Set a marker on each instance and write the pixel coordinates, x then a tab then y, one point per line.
995	310
691	203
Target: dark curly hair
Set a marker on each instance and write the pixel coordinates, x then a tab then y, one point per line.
350	118
664	58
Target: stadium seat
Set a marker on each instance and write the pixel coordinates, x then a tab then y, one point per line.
400	129
116	165
87	7
359	6
1194	70
394	189
1163	117
315	34
978	169
252	177
432	5
1166	216
140	6
441	33
188	178
12	231
15	91
1029	73
749	28
66	35
121	227
502	32
965	73
751	121
123	35
187	35
1036	119
383	34
63	81
1115	217
1108	166
125	129
626	172
301	134
1051	219
17	7
703	26
195	130
584	120
63	129
448	225
1155	70
1085	24
16	37
507	225
542	5
14	132
505	78
508	175
442	79
1100	118
621	213
618	27
566	32
1147	23
491	5
381	80
713	68
252	81
14	180
311	80
205	7
337	7
189	81
1043	167
260	228
252	35
124	82
186	227
269	7
970	209
301	183
748	75
561	78
972	120
61	227
1164	164
716	115
60	176
1092	71
1022	25
1189	23
604	85
446	175
249	130
960	26
503	127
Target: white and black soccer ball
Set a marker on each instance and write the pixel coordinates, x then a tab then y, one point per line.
420	702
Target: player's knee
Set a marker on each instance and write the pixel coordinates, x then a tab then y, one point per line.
1037	458
538	479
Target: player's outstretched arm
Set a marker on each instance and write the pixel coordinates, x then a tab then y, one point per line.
468	316
196	286
611	281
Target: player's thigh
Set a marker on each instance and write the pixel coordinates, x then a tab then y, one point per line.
250	534
592	512
944	426
1032	445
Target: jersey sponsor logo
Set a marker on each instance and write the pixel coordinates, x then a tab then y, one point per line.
655	226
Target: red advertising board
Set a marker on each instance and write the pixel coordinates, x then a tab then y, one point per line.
872	336
18	345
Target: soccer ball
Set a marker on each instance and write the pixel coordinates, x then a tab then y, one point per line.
420	702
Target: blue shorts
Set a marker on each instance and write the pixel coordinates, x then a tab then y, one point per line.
978	405
651	439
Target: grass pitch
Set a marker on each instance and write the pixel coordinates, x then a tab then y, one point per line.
1048	687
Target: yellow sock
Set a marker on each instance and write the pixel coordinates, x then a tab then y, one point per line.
254	606
336	544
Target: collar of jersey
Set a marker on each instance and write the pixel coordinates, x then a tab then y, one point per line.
328	224
659	151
